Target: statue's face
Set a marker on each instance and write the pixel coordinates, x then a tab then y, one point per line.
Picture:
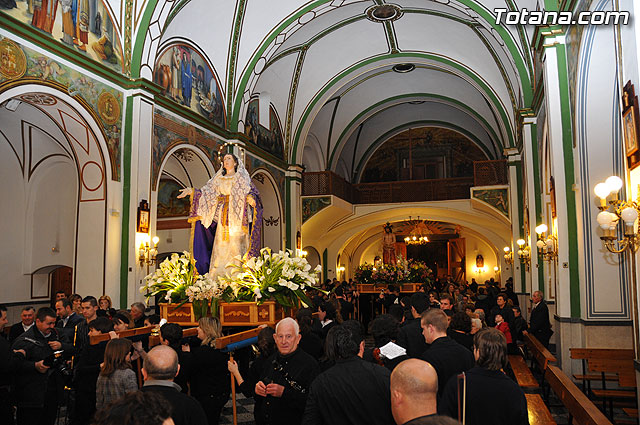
229	163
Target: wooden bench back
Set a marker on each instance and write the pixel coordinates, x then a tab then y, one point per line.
622	367
601	353
542	356
582	409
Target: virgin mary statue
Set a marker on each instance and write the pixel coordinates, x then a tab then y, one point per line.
228	213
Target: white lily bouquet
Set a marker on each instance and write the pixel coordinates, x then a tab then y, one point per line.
278	276
177	280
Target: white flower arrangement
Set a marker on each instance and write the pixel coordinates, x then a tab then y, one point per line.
277	276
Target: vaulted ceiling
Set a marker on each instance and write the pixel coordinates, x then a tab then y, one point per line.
328	69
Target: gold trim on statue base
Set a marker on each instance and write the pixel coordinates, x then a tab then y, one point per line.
405	288
230	314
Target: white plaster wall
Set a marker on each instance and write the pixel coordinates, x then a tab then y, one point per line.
475	246
173	240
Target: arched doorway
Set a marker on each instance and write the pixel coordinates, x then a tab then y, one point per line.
272	213
55	188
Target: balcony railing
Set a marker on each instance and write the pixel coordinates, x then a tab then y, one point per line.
486	173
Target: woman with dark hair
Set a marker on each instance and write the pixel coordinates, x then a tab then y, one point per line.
460	330
116	376
121	322
209	375
489	396
384	330
310	342
328	316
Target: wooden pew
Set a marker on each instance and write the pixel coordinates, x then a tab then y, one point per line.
625	371
539	414
522	372
580	408
539	353
584	354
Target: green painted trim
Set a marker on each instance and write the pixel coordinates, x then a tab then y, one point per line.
289	204
384	137
177	7
462	105
523	273
484	86
53	48
333	117
141	35
480	10
233	60
325	266
126	200
390	34
292	97
567	147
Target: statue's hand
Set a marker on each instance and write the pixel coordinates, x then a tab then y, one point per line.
185	192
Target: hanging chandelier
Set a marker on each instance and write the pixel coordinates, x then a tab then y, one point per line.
417	235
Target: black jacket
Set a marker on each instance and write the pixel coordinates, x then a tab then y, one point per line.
491	398
9	364
539	324
295	372
31	386
16	330
208	372
312	344
68	330
351	392
448	358
185	410
410	337
507	315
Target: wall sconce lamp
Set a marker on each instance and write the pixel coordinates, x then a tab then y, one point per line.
496	269
147	254
508	255
302	253
547	246
524	253
340	271
617	211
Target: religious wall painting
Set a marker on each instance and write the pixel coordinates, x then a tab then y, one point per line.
497	198
18	62
84	25
169	131
630	120
168	203
313	205
253	163
268	139
187	78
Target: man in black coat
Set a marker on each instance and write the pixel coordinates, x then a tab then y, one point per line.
26	322
504	310
37	384
281	392
446	356
490	396
353	391
539	325
67	318
9	362
160	368
410	334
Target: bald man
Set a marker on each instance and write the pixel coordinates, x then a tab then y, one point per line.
414	387
160	368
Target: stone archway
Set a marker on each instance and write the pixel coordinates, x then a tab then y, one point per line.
56	179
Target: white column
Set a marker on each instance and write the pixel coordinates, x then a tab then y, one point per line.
294	206
513	159
536	267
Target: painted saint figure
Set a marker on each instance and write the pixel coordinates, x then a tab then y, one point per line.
231	202
187	78
388	245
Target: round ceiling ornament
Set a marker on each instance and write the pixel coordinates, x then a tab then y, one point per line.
384	13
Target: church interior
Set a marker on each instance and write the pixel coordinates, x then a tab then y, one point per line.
494	153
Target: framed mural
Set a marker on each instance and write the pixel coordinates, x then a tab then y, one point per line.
630	125
186	78
84	25
267	139
168	203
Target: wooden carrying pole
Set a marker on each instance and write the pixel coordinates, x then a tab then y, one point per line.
233	394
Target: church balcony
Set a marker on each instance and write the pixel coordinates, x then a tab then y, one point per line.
486	173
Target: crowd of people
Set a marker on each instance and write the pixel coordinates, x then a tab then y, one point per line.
435	354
